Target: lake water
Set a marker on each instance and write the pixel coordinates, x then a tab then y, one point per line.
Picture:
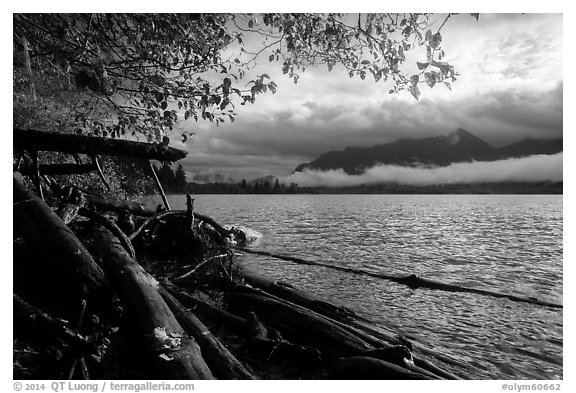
505	243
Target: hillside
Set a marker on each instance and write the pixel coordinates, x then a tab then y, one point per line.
460	146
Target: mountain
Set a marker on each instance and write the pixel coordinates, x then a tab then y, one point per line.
530	146
460	146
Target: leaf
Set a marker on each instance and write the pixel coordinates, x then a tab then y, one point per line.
436	40
415	91
430	78
250	23
186	114
164	105
271	58
362	75
296	79
237	61
365	62
330	66
428	35
448	85
422	66
414	79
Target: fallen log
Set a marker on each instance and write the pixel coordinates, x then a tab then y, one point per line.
39	323
174	354
112	227
181	214
222	363
83	144
118	206
48	234
367	368
288	292
227	318
260	339
300	325
413	281
367	331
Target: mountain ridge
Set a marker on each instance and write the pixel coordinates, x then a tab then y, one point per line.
459	146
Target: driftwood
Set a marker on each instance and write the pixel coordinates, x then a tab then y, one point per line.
48	234
112	227
300	325
118	206
288	292
174	354
222	363
362	367
83	144
413	281
382	339
260	339
225	317
40	323
181	214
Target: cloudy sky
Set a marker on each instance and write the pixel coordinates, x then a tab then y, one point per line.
510	88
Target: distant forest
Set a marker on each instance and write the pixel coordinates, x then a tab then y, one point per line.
174	182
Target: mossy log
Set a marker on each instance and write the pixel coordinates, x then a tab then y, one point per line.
49	235
173	353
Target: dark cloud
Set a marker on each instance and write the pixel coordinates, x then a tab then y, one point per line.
506	93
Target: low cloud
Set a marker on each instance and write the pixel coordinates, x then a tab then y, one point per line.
535	168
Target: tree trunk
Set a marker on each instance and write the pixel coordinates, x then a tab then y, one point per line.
174	354
50	236
90	145
221	361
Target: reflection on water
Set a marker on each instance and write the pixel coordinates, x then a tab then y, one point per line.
507	243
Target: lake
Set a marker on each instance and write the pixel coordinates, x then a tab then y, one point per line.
505	243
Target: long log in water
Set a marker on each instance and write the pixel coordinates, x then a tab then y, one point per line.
342	316
83	144
413	280
173	353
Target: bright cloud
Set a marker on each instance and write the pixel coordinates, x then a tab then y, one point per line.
536	168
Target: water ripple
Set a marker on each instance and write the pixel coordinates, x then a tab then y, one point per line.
510	244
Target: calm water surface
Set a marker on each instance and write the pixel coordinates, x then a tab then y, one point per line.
509	243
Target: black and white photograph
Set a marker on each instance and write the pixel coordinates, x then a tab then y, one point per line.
287	196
